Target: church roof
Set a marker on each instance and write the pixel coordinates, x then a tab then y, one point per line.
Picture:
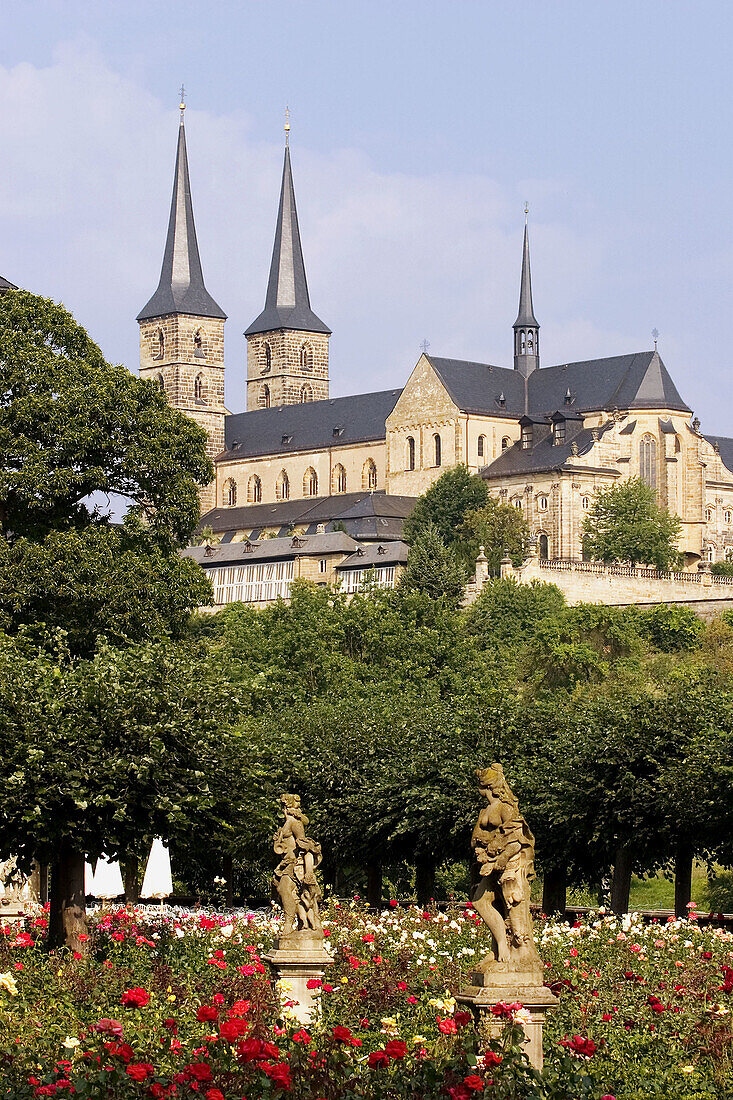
637	381
544	455
287	304
332	542
724	446
525	316
181	288
6	285
309	426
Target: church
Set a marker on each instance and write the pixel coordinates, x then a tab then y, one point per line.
299	464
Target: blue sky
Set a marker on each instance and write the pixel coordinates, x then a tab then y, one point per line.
419	129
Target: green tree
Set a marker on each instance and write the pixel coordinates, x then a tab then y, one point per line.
626	524
433	568
500	528
445	506
507	613
75	431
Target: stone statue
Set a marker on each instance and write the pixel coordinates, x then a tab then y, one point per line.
504	848
16	889
294	880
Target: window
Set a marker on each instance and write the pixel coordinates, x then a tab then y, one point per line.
306	393
410	453
306	358
648	460
264	398
481	447
543	547
517	502
709	554
729	553
558	432
506	443
310	483
230	492
198	345
542	504
585	503
369	475
268	356
526	437
530	343
708	515
727	517
322	565
198	387
252	583
437	445
159	352
353	580
338	480
254	490
282	486
160	383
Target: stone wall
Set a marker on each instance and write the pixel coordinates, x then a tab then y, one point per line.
289	377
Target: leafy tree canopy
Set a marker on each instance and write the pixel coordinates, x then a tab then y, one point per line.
500	528
507	613
445	505
626	524
433	568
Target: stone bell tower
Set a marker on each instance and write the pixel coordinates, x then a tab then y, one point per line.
287	346
182	327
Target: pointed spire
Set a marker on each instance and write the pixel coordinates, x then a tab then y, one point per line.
287	304
526	311
181	288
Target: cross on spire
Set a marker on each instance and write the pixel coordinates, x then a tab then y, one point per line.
287	126
655	337
182	102
425	345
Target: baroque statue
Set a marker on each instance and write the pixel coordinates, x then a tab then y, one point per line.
294	880
504	848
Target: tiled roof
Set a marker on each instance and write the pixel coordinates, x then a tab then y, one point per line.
241	553
725	448
365	514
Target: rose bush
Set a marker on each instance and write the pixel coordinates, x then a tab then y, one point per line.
179	1005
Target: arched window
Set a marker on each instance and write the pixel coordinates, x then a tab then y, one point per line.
159	350
727	517
306	358
282	486
198	387
648	460
264	398
543	547
306	392
542	504
517	502
708	515
338	479
310	483
506	443
438	449
481	449
410	453
160	383
254	490
268	356
530	343
369	475
709	554
522	342
230	492
198	345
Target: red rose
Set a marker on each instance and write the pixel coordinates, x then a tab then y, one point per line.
302	1036
473	1082
378	1059
279	1073
463	1019
206	1014
447	1027
491	1058
342	1034
313	983
171	1025
233	1029
396	1049
214	1094
135	997
250	1050
139	1070
109	1027
239	1008
198	1071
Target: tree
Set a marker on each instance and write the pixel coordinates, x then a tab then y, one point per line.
507	613
75	431
500	528
626	524
445	506
433	568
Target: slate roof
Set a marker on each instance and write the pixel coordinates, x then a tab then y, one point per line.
725	448
371	557
478	387
181	288
287	303
544	456
5	284
311	425
239	553
525	316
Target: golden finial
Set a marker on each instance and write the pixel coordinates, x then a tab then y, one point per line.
287	126
182	105
526	212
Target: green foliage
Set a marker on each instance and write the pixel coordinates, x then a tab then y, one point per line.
433	568
719	893
626	524
722	569
500	528
445	505
507	613
670	628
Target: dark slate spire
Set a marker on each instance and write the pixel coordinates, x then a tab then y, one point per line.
526	326
287	304
181	288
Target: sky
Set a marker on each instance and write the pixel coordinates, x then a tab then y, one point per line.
419	130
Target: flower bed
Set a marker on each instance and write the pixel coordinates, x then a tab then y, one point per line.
179	1005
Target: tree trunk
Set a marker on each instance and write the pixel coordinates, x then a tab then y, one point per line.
131	879
228	875
67	916
425	880
374	884
682	878
43	883
555	891
621	881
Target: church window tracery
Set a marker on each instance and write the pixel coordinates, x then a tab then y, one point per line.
306	393
254	490
506	443
306	358
410	453
339	479
369	475
310	483
282	486
264	397
230	492
648	460
198	388
438	449
159	349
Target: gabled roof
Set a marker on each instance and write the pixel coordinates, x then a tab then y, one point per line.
6	285
287	304
545	455
364	514
724	446
312	425
181	288
215	556
479	387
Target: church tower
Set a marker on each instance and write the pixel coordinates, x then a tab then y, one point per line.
182	327
526	327
287	346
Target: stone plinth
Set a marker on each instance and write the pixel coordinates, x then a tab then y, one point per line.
509	987
295	960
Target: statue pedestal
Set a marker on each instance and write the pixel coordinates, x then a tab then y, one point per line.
509	987
295	960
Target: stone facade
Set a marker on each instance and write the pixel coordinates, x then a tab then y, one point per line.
286	367
184	355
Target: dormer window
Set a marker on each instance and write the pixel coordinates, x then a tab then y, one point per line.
569	397
287	439
558	432
337	433
501	401
526	437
